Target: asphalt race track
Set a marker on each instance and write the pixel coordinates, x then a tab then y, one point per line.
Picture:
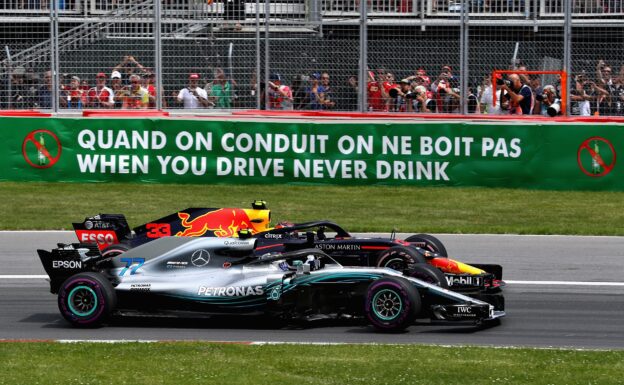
562	292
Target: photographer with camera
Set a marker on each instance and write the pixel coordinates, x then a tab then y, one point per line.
194	96
519	95
550	104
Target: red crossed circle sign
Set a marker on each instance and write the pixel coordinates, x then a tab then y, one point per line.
606	168
30	138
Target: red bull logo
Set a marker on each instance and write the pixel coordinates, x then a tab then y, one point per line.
448	265
222	223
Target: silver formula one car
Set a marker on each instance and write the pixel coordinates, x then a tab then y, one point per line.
175	275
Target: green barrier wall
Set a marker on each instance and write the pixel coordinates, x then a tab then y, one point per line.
549	156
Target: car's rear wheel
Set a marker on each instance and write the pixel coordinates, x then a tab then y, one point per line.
399	258
428	243
115	250
391	304
86	299
429	274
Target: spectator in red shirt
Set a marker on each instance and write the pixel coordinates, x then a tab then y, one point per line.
375	93
280	95
100	96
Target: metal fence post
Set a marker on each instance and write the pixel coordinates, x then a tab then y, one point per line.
55	64
258	67
267	56
463	59
158	53
363	63
567	51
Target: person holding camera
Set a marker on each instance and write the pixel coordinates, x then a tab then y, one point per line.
128	66
550	104
194	96
584	93
519	95
280	95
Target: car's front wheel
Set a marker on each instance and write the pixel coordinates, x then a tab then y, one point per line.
86	299
428	243
429	274
399	258
391	304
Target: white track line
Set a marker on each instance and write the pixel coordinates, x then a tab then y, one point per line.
564	283
23	276
513	282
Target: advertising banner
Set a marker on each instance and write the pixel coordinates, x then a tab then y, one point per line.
570	156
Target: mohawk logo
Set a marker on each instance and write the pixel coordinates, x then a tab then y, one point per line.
221	222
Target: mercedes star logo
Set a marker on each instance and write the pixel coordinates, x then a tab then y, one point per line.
200	258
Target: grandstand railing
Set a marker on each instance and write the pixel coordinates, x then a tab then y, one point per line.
536	9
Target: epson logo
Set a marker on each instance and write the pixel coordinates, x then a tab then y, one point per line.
66	264
274	236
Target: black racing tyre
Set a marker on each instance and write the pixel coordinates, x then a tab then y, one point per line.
399	257
115	250
429	274
392	304
86	299
429	243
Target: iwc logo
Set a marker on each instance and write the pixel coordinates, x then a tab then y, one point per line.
200	258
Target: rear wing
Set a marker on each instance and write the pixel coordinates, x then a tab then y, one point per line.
67	260
108	229
103	230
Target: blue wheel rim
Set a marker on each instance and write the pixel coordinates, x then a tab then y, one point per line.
387	304
82	301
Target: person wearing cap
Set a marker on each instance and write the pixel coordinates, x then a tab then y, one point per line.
100	96
75	96
136	97
193	96
22	96
280	95
119	91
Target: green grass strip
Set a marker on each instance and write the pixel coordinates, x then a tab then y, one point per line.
207	363
408	209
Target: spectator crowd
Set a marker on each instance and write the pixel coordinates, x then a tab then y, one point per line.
130	85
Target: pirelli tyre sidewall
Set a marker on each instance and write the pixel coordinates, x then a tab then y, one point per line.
399	257
115	250
431	243
391	304
429	274
86	299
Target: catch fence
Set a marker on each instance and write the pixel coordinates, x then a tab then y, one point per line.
323	50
